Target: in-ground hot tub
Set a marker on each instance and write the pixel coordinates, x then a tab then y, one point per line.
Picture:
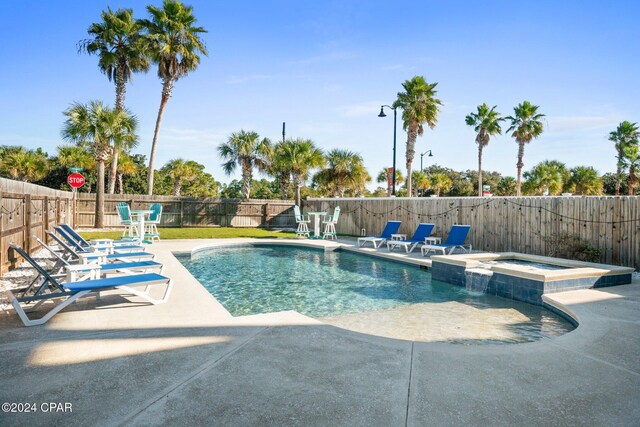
525	277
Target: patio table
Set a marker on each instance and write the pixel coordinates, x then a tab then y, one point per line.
140	214
316	223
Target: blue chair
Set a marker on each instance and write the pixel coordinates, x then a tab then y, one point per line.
50	288
151	224
423	230
126	245
124	213
68	267
77	252
392	227
91	248
455	239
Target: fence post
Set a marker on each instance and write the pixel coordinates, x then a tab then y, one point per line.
265	214
45	226
181	213
27	223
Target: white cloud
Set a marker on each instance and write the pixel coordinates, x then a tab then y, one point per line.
583	123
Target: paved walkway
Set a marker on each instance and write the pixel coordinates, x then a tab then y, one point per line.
188	362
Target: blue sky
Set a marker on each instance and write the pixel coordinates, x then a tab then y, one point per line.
325	68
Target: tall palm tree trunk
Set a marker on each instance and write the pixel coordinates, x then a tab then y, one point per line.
166	94
284	185
113	173
519	165
120	185
246	179
297	183
619	172
177	185
412	135
633	180
480	170
121	88
99	213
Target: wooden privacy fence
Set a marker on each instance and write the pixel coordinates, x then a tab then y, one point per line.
503	224
192	212
27	210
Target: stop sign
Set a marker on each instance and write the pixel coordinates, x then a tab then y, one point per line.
76	180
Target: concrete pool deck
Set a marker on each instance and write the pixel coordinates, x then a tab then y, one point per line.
122	362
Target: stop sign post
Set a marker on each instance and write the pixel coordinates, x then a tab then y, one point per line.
75	180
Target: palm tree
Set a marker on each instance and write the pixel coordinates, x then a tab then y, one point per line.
297	157
584	180
126	166
181	171
486	122
420	181
547	177
96	126
280	168
440	182
383	176
77	156
632	161
175	45
419	106
506	186
625	134
345	171
121	49
247	150
24	165
526	124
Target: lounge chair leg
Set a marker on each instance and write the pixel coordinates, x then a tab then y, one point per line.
145	295
44	319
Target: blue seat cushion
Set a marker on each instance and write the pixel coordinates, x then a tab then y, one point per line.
123	265
89	285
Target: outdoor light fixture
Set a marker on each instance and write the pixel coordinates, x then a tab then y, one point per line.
421	156
395	117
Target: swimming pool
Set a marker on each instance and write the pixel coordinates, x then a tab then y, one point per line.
351	290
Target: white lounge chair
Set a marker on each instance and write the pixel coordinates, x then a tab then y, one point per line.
422	231
392	227
50	288
455	239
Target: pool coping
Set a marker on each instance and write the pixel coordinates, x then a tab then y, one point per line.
297	370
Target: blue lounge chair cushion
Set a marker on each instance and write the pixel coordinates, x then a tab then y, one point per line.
131	255
123	265
88	285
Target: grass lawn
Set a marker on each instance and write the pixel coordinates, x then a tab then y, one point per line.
199	233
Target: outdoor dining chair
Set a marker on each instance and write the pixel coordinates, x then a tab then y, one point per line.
124	213
151	224
330	224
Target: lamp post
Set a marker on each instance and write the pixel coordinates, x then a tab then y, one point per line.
395	117
421	156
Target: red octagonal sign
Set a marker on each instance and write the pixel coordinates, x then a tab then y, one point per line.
76	180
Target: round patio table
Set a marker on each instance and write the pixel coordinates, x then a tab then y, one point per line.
316	223
140	214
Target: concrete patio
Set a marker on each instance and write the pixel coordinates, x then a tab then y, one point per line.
188	362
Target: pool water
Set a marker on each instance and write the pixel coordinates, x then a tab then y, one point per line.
350	289
525	263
